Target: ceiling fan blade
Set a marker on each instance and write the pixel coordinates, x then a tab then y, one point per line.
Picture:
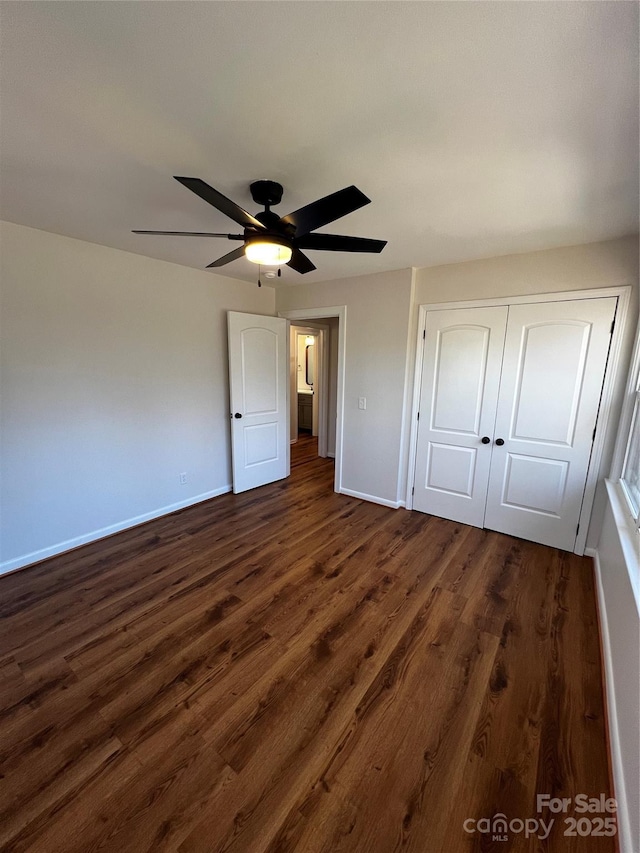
338	243
300	263
326	210
192	234
221	202
226	259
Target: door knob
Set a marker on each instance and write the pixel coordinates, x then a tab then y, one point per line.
499	441
237	415
485	439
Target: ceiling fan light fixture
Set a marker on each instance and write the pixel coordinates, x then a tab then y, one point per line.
268	251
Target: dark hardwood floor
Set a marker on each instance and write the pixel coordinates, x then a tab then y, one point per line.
294	670
304	450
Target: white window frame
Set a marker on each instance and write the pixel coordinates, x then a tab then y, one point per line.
626	518
634	425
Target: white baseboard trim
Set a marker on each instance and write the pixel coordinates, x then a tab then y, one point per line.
331	455
372	499
625	836
53	550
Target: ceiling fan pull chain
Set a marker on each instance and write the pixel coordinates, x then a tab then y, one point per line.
259	282
279	272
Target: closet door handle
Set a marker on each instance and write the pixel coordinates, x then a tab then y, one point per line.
499	441
237	415
485	439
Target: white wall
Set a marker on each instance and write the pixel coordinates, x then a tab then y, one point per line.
607	264
378	310
332	322
114	381
381	330
620	627
114	374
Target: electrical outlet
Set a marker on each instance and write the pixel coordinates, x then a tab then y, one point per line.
362	402
183	478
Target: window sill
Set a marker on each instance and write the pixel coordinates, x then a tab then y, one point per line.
629	537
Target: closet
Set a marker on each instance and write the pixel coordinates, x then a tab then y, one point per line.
509	400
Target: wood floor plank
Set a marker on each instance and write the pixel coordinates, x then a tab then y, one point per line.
288	755
222	560
59	777
164	554
406	769
501	768
571	753
290	670
151	812
22	696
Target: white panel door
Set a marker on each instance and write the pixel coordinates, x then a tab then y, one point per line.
258	377
554	361
460	380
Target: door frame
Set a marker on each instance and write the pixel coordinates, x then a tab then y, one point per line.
612	371
321	387
297	318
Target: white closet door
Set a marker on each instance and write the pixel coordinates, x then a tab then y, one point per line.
554	361
460	379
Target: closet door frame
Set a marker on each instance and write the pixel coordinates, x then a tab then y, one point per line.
613	370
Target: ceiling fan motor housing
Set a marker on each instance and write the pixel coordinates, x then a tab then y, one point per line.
266	193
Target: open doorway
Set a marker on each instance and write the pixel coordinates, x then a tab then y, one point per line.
317	381
307	392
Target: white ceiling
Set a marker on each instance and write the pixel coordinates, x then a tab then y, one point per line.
476	128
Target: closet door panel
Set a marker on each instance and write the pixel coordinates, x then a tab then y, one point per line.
554	360
460	379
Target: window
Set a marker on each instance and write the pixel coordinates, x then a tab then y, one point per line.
625	473
630	480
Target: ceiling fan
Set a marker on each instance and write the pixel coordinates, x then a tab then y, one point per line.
269	239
